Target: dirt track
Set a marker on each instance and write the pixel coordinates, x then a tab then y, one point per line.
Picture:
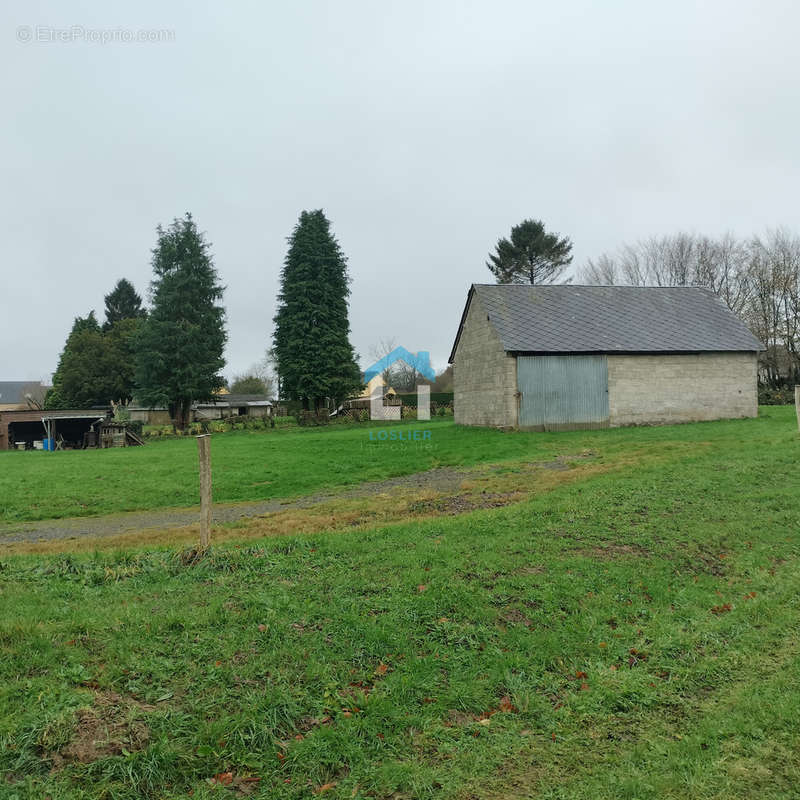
441	480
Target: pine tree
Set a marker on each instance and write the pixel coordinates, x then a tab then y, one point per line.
532	255
313	354
179	353
122	303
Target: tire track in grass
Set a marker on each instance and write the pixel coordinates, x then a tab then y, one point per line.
438	492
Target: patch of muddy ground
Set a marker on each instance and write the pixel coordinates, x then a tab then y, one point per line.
611	551
112	725
446	482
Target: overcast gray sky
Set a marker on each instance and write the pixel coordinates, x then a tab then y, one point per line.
425	130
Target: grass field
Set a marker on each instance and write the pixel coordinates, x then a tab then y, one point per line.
247	466
633	632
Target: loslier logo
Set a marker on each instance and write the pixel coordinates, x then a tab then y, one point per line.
399	436
421	362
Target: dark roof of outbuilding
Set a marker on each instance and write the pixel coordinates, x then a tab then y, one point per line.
610	319
11	391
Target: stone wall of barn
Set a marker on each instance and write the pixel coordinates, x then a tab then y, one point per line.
656	389
484	375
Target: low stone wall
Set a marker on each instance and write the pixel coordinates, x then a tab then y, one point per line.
658	389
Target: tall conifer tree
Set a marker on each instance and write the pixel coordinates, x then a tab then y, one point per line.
313	354
179	351
122	302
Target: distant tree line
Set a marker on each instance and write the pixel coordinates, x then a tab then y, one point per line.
757	277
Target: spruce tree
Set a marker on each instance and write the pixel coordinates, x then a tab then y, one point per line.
313	354
179	352
122	303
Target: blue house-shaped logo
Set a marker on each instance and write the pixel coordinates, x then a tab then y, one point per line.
420	361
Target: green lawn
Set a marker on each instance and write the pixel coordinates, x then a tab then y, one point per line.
292	462
246	466
632	635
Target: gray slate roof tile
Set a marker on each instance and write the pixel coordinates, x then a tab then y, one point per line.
608	319
12	391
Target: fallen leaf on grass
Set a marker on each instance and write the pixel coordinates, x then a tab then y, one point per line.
722	609
223	778
381	669
422	587
507	706
326	787
636	656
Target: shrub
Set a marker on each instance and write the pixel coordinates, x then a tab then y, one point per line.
775	396
312	418
136	426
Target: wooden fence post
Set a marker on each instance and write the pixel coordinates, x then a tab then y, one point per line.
797	404
204	455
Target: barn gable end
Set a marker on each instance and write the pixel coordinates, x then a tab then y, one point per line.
484	375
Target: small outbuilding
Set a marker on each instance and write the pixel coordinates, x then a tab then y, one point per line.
28	429
569	357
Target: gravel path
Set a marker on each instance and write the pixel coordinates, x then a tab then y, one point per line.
442	480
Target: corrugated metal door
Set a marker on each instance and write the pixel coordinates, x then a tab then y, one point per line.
560	392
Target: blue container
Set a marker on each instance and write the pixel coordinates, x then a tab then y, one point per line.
47	444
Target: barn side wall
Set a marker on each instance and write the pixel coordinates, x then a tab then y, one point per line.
484	375
654	389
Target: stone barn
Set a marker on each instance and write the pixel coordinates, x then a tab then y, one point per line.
570	357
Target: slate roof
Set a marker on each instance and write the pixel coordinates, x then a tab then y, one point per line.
11	391
610	319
